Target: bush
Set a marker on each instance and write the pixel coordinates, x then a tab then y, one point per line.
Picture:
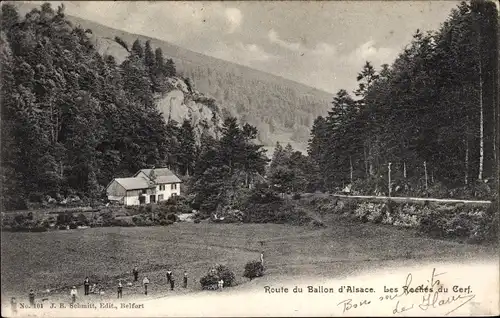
172	217
165	222
433	225
209	281
122	222
253	269
142	220
215	274
296	196
197	220
64	218
491	222
317	224
82	219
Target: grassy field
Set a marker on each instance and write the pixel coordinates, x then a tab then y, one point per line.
57	260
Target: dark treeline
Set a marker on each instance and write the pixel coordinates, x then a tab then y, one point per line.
226	166
431	114
73	119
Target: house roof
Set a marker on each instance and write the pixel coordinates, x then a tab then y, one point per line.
134	183
163	175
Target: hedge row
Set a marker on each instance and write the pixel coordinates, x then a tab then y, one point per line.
474	224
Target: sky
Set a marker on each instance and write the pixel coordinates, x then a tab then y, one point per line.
322	44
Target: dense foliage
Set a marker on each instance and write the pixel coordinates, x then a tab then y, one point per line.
72	119
226	166
429	117
216	273
291	171
253	269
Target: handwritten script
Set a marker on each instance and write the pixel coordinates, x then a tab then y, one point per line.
431	294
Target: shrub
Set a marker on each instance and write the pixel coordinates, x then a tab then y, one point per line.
253	269
19	219
459	226
64	218
209	280
165	222
197	220
296	196
122	222
433	224
172	217
492	222
82	219
215	274
38	229
142	220
317	223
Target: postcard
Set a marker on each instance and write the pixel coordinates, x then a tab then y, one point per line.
244	158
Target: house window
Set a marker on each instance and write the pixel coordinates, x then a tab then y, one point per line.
160	197
173	186
162	187
144	191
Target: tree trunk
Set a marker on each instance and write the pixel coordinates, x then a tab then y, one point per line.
481	124
466	179
370	159
425	170
481	115
366	161
389	178
350	161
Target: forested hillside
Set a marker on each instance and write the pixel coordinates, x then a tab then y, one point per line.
281	109
73	119
429	117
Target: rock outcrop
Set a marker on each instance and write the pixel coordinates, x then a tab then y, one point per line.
183	103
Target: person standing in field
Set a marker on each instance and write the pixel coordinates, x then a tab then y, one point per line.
135	271
31	297
13	305
262	258
172	282
86	286
221	284
169	276
145	282
73	294
120	289
185	279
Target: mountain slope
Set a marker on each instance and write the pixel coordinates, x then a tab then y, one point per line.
281	109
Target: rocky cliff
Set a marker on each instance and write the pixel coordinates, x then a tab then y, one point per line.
182	103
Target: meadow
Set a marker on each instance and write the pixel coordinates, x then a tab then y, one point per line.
57	260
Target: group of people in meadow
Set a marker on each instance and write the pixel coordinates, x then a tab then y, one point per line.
93	288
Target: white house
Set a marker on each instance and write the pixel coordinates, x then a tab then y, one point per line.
146	186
